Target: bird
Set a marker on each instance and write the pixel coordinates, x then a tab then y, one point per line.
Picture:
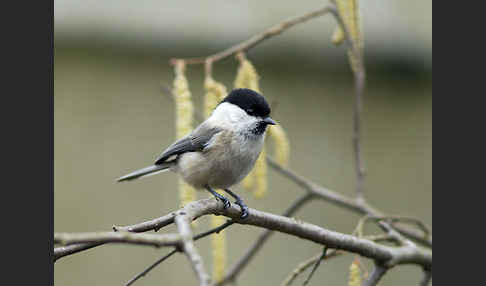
222	150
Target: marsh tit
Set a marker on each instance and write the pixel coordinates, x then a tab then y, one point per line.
222	150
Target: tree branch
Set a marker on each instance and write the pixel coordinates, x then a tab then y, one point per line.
183	221
118	237
256	39
154	224
387	255
387	223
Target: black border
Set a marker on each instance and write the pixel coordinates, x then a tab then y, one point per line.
50	132
27	120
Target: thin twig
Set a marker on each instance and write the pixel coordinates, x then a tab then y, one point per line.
376	275
380	237
143	273
391	220
359	74
214	230
427	277
308	263
420	224
300	268
316	265
154	224
196	237
256	39
360	172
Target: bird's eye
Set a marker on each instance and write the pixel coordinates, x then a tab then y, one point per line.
250	111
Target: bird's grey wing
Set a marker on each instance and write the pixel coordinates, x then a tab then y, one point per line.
196	141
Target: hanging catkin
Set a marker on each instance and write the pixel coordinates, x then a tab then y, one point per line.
338	36
246	76
281	144
215	93
260	175
349	11
354	274
184	121
218	243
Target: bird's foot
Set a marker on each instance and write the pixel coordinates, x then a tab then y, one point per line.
225	201
244	208
240	202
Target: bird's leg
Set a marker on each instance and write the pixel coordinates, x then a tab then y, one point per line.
225	201
240	202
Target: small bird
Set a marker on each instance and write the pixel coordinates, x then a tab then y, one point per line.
222	150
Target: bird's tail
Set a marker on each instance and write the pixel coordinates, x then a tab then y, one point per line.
147	171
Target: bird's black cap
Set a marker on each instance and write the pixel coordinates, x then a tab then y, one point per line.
250	101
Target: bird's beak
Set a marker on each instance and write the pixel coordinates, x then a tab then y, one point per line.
269	121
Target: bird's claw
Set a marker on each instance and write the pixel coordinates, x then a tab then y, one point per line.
244	209
226	203
244	213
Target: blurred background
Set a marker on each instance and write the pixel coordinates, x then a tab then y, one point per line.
111	117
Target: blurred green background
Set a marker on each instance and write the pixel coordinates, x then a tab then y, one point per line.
111	117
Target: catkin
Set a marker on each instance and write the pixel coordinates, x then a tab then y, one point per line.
260	175
249	181
247	77
338	36
215	92
184	121
349	11
187	193
281	144
354	274
218	243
